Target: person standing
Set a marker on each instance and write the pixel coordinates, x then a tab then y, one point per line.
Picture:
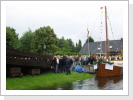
54	63
74	64
91	59
80	60
60	65
87	60
71	63
84	60
94	58
68	64
57	65
64	62
77	60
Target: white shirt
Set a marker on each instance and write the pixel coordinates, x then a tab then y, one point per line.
57	61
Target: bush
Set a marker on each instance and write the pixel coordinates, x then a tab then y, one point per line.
113	54
66	53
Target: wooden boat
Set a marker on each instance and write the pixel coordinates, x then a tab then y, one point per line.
103	72
117	67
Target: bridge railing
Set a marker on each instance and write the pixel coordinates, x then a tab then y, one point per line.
18	57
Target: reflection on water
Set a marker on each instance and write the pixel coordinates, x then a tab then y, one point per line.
115	83
95	83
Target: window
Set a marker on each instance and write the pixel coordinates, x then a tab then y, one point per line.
110	47
99	48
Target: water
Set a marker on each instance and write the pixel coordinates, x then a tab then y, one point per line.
95	83
98	83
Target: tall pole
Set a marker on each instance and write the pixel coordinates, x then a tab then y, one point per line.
107	40
88	39
100	49
88	46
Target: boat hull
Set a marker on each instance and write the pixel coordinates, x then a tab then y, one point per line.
102	72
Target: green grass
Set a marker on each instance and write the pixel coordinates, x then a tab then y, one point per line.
45	80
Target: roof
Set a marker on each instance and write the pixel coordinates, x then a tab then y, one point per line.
94	47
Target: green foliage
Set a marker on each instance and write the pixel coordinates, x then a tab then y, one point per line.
106	62
67	45
44	36
84	54
26	40
66	53
90	39
11	37
64	45
71	44
35	41
79	45
113	54
97	62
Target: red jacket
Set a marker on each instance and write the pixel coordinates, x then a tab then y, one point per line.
94	58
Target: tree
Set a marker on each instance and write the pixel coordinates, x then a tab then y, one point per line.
71	44
90	39
11	37
25	41
44	36
63	45
76	48
79	45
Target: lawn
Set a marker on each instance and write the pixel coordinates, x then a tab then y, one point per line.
44	80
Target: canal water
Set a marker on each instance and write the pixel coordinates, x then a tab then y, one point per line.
95	83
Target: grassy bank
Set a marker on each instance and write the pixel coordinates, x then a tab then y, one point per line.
43	81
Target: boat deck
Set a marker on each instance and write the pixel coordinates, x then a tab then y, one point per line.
118	63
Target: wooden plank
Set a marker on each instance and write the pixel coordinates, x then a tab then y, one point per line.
13	61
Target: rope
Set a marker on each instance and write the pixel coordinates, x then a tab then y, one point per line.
112	32
91	31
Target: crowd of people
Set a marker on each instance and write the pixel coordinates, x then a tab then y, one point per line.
68	63
62	64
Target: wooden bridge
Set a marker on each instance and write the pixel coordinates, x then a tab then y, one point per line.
18	61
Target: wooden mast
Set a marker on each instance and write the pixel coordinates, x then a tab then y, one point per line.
107	40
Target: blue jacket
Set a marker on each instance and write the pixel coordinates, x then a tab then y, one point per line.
79	69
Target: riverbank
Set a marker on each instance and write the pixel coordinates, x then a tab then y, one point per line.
45	80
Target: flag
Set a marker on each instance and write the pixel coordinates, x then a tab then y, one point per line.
101	7
88	33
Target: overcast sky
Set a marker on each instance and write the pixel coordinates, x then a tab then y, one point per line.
67	18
